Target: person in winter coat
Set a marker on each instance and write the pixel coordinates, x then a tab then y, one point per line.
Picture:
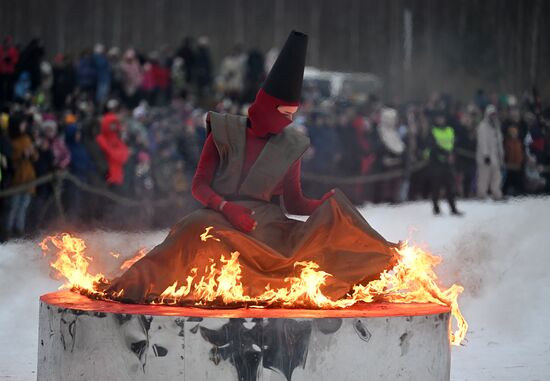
231	78
22	88
103	74
61	154
5	170
156	79
63	80
81	166
367	155
441	142
132	78
117	74
489	155
43	94
40	212
115	150
5	157
254	75
9	56
534	181
203	67
514	159
188	53
30	60
23	155
325	142
81	162
389	150
536	137
86	75
177	77
465	158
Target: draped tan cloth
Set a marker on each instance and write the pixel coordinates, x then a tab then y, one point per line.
335	236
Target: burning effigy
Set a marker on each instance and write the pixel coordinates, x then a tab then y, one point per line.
411	280
198	324
268	286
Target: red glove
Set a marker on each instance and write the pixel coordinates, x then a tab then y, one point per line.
239	216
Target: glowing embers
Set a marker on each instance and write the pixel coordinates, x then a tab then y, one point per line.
411	280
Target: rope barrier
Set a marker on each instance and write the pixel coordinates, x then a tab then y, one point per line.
366	179
57	178
388	175
26	186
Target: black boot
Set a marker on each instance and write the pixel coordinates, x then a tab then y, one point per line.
454	210
457	213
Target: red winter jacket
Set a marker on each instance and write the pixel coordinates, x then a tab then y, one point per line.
114	149
9	56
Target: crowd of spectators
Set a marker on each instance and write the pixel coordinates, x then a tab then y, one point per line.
130	126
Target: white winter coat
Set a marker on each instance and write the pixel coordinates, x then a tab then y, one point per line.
489	141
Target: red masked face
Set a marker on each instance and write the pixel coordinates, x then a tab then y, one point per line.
265	117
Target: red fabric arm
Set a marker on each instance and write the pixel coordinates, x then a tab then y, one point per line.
294	199
206	169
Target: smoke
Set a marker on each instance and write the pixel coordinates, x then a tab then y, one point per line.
496	252
500	262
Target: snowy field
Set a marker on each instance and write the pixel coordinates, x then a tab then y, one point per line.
499	252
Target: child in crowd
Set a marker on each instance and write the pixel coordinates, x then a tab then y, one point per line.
513	159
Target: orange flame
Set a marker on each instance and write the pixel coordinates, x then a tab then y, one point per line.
206	235
71	262
128	263
411	280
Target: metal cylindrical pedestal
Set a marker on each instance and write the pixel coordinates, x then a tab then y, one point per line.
82	339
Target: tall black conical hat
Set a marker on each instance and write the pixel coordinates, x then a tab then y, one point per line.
284	81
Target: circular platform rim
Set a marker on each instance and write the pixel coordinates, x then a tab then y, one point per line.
74	301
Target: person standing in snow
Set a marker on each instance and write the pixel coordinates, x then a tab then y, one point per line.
441	142
390	150
489	155
514	157
466	144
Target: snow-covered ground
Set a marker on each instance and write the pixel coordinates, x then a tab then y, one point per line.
499	252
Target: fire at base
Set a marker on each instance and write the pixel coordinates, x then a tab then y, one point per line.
411	280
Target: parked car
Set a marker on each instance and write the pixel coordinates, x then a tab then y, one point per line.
334	84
